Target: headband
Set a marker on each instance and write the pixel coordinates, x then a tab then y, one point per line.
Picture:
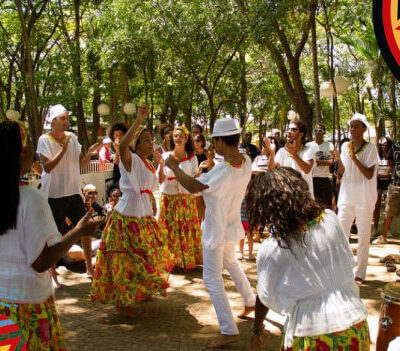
183	129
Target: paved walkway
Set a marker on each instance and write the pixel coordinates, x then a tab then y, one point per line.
185	321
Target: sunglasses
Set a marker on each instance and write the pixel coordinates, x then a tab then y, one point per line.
92	192
197	141
319	131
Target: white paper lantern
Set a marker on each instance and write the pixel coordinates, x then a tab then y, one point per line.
291	115
326	89
103	109
12	114
342	84
129	108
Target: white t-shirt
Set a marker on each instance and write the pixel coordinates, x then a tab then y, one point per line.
135	187
307	153
223	199
63	180
171	186
20	247
355	188
314	287
323	152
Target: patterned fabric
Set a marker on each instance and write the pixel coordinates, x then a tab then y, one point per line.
132	261
179	217
355	338
38	323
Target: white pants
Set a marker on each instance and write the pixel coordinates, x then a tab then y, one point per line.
214	261
363	217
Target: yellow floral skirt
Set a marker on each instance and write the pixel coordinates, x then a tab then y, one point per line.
38	323
179	217
356	338
132	261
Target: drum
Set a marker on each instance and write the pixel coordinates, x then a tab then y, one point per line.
389	319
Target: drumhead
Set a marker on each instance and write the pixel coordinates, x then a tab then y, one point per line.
391	291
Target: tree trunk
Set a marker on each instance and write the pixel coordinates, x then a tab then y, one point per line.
95	103
317	100
113	96
393	105
124	84
243	89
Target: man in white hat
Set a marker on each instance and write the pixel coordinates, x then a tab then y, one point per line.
358	190
223	189
61	157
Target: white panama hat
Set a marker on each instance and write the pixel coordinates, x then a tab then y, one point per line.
107	140
55	111
359	117
225	127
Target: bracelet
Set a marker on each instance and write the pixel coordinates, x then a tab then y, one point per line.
258	332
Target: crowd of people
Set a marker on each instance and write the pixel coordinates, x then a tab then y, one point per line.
212	196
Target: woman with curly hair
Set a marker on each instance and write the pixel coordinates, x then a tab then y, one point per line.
304	269
178	210
133	260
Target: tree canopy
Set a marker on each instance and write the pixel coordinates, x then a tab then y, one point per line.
193	61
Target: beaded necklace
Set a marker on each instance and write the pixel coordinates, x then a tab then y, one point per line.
314	221
360	150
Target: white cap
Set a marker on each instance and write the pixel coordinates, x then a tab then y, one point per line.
107	140
359	117
225	127
55	111
89	187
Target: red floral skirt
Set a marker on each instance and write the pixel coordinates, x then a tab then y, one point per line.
132	262
179	218
39	324
356	338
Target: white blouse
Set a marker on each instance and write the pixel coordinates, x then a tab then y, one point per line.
285	159
355	188
223	198
20	247
136	187
171	186
64	179
313	286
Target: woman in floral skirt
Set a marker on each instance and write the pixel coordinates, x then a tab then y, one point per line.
30	245
304	269
133	261
178	210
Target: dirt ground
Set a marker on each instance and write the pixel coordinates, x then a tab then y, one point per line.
185	320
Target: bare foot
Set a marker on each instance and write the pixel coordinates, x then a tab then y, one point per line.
258	341
90	271
222	340
128	312
359	281
246	312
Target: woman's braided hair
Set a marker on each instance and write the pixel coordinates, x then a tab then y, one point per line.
281	198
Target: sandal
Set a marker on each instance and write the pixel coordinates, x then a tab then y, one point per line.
380	240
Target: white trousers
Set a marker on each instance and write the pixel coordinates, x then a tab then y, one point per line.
363	217
214	261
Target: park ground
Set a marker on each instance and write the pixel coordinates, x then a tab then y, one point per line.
185	320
